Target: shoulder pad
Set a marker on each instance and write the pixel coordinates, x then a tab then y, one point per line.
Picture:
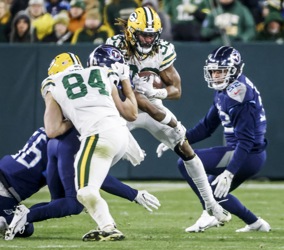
167	52
45	86
237	91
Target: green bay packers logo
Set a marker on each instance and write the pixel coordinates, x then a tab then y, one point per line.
133	17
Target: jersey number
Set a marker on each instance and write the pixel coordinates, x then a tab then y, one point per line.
76	88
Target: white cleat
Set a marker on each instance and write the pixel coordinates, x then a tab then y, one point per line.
260	225
18	223
219	212
3	226
204	222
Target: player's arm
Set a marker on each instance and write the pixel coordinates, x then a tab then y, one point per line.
54	122
157	114
128	108
172	80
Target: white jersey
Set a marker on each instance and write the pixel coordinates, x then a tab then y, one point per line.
158	62
84	96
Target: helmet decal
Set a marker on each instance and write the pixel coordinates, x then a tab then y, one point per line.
133	17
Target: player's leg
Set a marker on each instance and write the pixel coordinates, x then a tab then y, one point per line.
215	160
91	169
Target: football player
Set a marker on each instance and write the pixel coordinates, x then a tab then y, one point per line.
144	51
50	161
238	108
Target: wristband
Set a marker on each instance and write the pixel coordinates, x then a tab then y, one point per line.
167	119
161	93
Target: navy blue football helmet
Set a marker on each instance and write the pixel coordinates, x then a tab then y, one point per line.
105	55
228	61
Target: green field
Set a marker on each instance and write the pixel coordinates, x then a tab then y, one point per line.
164	229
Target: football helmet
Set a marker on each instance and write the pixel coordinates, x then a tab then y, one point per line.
105	55
228	61
143	29
62	62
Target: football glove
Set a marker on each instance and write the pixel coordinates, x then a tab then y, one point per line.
144	85
223	182
161	149
121	69
180	131
147	200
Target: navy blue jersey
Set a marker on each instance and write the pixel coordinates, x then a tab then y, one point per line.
24	171
240	111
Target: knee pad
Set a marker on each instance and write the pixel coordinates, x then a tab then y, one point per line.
88	195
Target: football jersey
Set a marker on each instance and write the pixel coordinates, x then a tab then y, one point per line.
240	111
158	62
25	170
85	98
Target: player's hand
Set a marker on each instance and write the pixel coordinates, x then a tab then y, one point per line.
144	85
148	201
121	69
161	149
180	131
223	182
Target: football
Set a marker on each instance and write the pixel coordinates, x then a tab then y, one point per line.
158	83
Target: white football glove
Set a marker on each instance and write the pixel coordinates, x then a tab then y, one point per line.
144	85
223	182
147	200
180	131
161	149
122	70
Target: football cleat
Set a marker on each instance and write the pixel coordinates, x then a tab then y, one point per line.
3	226
219	212
18	223
99	235
260	225
204	222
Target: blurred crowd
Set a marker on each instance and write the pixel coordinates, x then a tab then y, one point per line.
93	21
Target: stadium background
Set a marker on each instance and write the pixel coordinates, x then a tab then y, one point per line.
23	67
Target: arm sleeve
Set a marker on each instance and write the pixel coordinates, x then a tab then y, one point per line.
205	127
244	123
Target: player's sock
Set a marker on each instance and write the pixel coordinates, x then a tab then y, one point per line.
115	187
55	209
194	168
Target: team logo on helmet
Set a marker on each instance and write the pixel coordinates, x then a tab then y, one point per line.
133	17
235	57
114	55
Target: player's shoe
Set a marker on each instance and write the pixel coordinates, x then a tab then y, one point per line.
204	222
99	235
3	226
260	225
219	212
18	223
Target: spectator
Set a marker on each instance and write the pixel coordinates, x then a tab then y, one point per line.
60	33
94	30
55	6
22	31
5	21
118	9
186	17
18	5
42	21
77	15
165	19
273	29
231	21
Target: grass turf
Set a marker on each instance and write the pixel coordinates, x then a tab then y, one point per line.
163	229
